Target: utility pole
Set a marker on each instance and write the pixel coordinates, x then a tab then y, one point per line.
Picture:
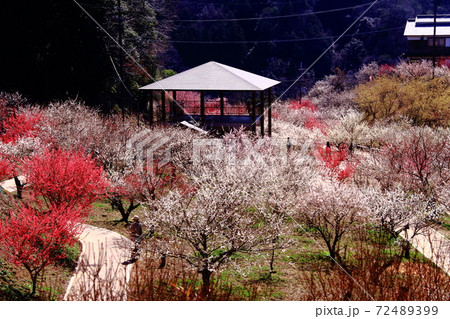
434	37
120	40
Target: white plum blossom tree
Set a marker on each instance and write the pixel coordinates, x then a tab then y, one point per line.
238	201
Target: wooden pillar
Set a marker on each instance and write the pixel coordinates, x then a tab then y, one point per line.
222	104
150	110
163	106
254	112
202	107
173	105
269	112
261	119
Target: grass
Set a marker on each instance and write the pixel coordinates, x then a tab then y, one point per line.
9	288
301	269
102	215
444	226
306	257
304	270
15	283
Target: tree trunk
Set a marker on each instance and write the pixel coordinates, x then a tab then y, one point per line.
272	259
125	215
117	203
162	263
34	282
34	279
206	278
19	187
407	249
331	251
272	256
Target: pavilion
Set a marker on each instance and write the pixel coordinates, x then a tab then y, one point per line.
212	78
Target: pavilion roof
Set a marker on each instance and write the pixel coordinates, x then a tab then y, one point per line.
213	76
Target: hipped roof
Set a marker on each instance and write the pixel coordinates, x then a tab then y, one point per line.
213	76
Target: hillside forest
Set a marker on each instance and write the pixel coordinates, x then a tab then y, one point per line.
54	49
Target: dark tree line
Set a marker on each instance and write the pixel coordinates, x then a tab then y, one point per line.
52	50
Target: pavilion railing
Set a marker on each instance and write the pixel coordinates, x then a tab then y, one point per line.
211	107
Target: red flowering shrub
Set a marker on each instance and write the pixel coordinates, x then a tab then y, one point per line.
146	184
337	161
65	178
309	118
347	171
20	126
386	69
419	161
7	169
9	104
305	104
34	239
312	121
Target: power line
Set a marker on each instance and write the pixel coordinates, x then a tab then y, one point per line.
324	52
318	58
281	40
126	52
270	18
242	4
140	66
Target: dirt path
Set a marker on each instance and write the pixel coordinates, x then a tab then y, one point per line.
100	274
433	245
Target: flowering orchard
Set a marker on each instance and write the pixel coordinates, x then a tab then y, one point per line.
324	209
44	217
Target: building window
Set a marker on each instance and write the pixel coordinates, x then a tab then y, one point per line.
447	42
440	42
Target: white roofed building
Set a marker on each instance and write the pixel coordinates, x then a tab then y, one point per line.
420	33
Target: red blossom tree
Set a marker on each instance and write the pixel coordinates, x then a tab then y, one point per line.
419	161
15	126
21	125
312	121
386	69
305	104
311	118
6	168
338	161
64	178
8	106
35	239
144	184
